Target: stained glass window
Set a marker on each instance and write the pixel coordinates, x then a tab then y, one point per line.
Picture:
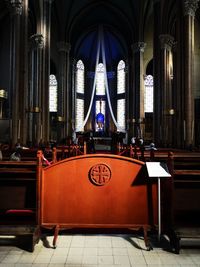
121	114
121	77
148	93
80	77
121	110
53	93
79	115
80	96
100	82
103	110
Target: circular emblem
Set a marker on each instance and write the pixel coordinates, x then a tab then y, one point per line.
100	174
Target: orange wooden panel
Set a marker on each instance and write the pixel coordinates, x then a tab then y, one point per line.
96	190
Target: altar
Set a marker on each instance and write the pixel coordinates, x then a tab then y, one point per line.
102	143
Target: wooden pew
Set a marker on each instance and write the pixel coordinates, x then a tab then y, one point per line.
180	194
29	154
185	205
131	151
26	154
97	191
66	151
18	195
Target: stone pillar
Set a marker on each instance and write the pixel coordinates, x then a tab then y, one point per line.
127	108
73	104
166	41
69	95
156	73
24	74
37	45
88	83
46	30
112	84
64	102
16	7
130	98
189	9
138	105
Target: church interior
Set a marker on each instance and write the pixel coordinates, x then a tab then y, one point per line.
93	94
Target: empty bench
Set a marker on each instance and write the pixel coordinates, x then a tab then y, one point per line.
185	170
18	205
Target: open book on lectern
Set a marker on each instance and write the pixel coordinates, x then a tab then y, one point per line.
157	169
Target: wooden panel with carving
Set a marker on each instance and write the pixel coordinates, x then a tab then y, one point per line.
97	191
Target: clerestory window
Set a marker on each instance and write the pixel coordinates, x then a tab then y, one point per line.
53	85
148	94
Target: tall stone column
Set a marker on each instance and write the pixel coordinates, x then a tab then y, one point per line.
127	109
166	41
35	104
73	104
16	7
69	95
138	105
131	89
46	30
24	74
63	90
156	72
189	9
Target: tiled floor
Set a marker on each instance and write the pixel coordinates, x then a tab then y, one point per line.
95	251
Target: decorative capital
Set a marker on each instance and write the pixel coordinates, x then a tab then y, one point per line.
166	41
3	94
16	7
63	47
138	47
190	7
37	41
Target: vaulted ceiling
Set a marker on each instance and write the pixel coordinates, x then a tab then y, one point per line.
123	22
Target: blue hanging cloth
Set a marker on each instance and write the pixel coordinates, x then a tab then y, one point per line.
100	120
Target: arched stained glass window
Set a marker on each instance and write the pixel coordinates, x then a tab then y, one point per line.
121	108
148	93
100	82
121	77
79	107
103	109
53	93
80	77
79	115
121	115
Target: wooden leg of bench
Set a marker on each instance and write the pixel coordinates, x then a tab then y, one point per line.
175	243
34	240
28	241
146	239
174	240
37	235
56	231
